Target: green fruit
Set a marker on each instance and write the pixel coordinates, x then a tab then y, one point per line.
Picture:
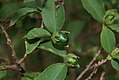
72	60
60	40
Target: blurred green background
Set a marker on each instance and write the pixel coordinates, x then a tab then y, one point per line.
84	38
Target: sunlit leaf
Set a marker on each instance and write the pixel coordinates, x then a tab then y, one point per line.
49	47
115	27
108	40
95	8
31	47
53	18
37	33
54	72
115	64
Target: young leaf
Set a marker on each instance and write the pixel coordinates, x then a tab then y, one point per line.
52	18
115	27
21	12
95	8
108	40
37	33
54	72
31	47
115	64
49	47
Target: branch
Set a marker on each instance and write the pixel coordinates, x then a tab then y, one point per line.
42	24
9	42
16	61
96	66
23	59
89	65
92	74
102	76
99	63
5	67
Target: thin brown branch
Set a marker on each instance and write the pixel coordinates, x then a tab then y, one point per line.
5	67
42	24
9	42
99	63
92	74
89	65
16	61
96	66
102	76
23	59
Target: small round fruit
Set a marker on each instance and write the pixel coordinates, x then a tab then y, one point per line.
60	40
72	60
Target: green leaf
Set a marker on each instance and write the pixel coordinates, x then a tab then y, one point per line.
115	64
30	75
116	56
8	10
26	78
95	8
37	33
27	1
115	27
60	17
21	12
52	18
3	74
49	47
54	72
31	47
40	3
108	40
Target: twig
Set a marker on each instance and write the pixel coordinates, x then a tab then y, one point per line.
91	75
42	24
100	62
89	65
96	66
16	61
102	76
61	2
9	42
5	67
23	59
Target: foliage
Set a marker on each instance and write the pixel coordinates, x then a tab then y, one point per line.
42	28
